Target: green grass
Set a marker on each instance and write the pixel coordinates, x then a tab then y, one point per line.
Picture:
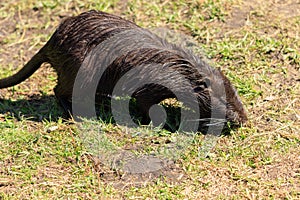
256	44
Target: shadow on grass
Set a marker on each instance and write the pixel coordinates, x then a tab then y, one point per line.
36	108
46	107
172	121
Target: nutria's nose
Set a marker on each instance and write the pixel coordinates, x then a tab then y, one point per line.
243	118
236	118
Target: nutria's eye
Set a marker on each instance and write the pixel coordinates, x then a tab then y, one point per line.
198	89
204	84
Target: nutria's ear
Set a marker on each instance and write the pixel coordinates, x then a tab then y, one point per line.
207	82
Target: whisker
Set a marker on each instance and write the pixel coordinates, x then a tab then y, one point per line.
209	119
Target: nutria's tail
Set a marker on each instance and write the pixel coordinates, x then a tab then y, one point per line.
36	61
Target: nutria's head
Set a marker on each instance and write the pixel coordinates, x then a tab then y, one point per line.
218	99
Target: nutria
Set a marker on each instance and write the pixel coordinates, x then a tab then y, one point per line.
77	36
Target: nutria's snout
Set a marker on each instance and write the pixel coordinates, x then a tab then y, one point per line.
236	119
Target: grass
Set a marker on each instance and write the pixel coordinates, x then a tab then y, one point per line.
255	43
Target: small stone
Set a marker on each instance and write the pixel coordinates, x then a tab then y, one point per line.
52	128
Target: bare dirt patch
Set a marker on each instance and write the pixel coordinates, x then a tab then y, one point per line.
275	9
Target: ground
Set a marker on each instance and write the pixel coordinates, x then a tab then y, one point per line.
256	44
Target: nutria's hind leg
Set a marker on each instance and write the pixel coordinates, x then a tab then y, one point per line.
63	101
66	104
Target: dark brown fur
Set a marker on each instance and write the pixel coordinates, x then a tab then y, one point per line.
77	36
